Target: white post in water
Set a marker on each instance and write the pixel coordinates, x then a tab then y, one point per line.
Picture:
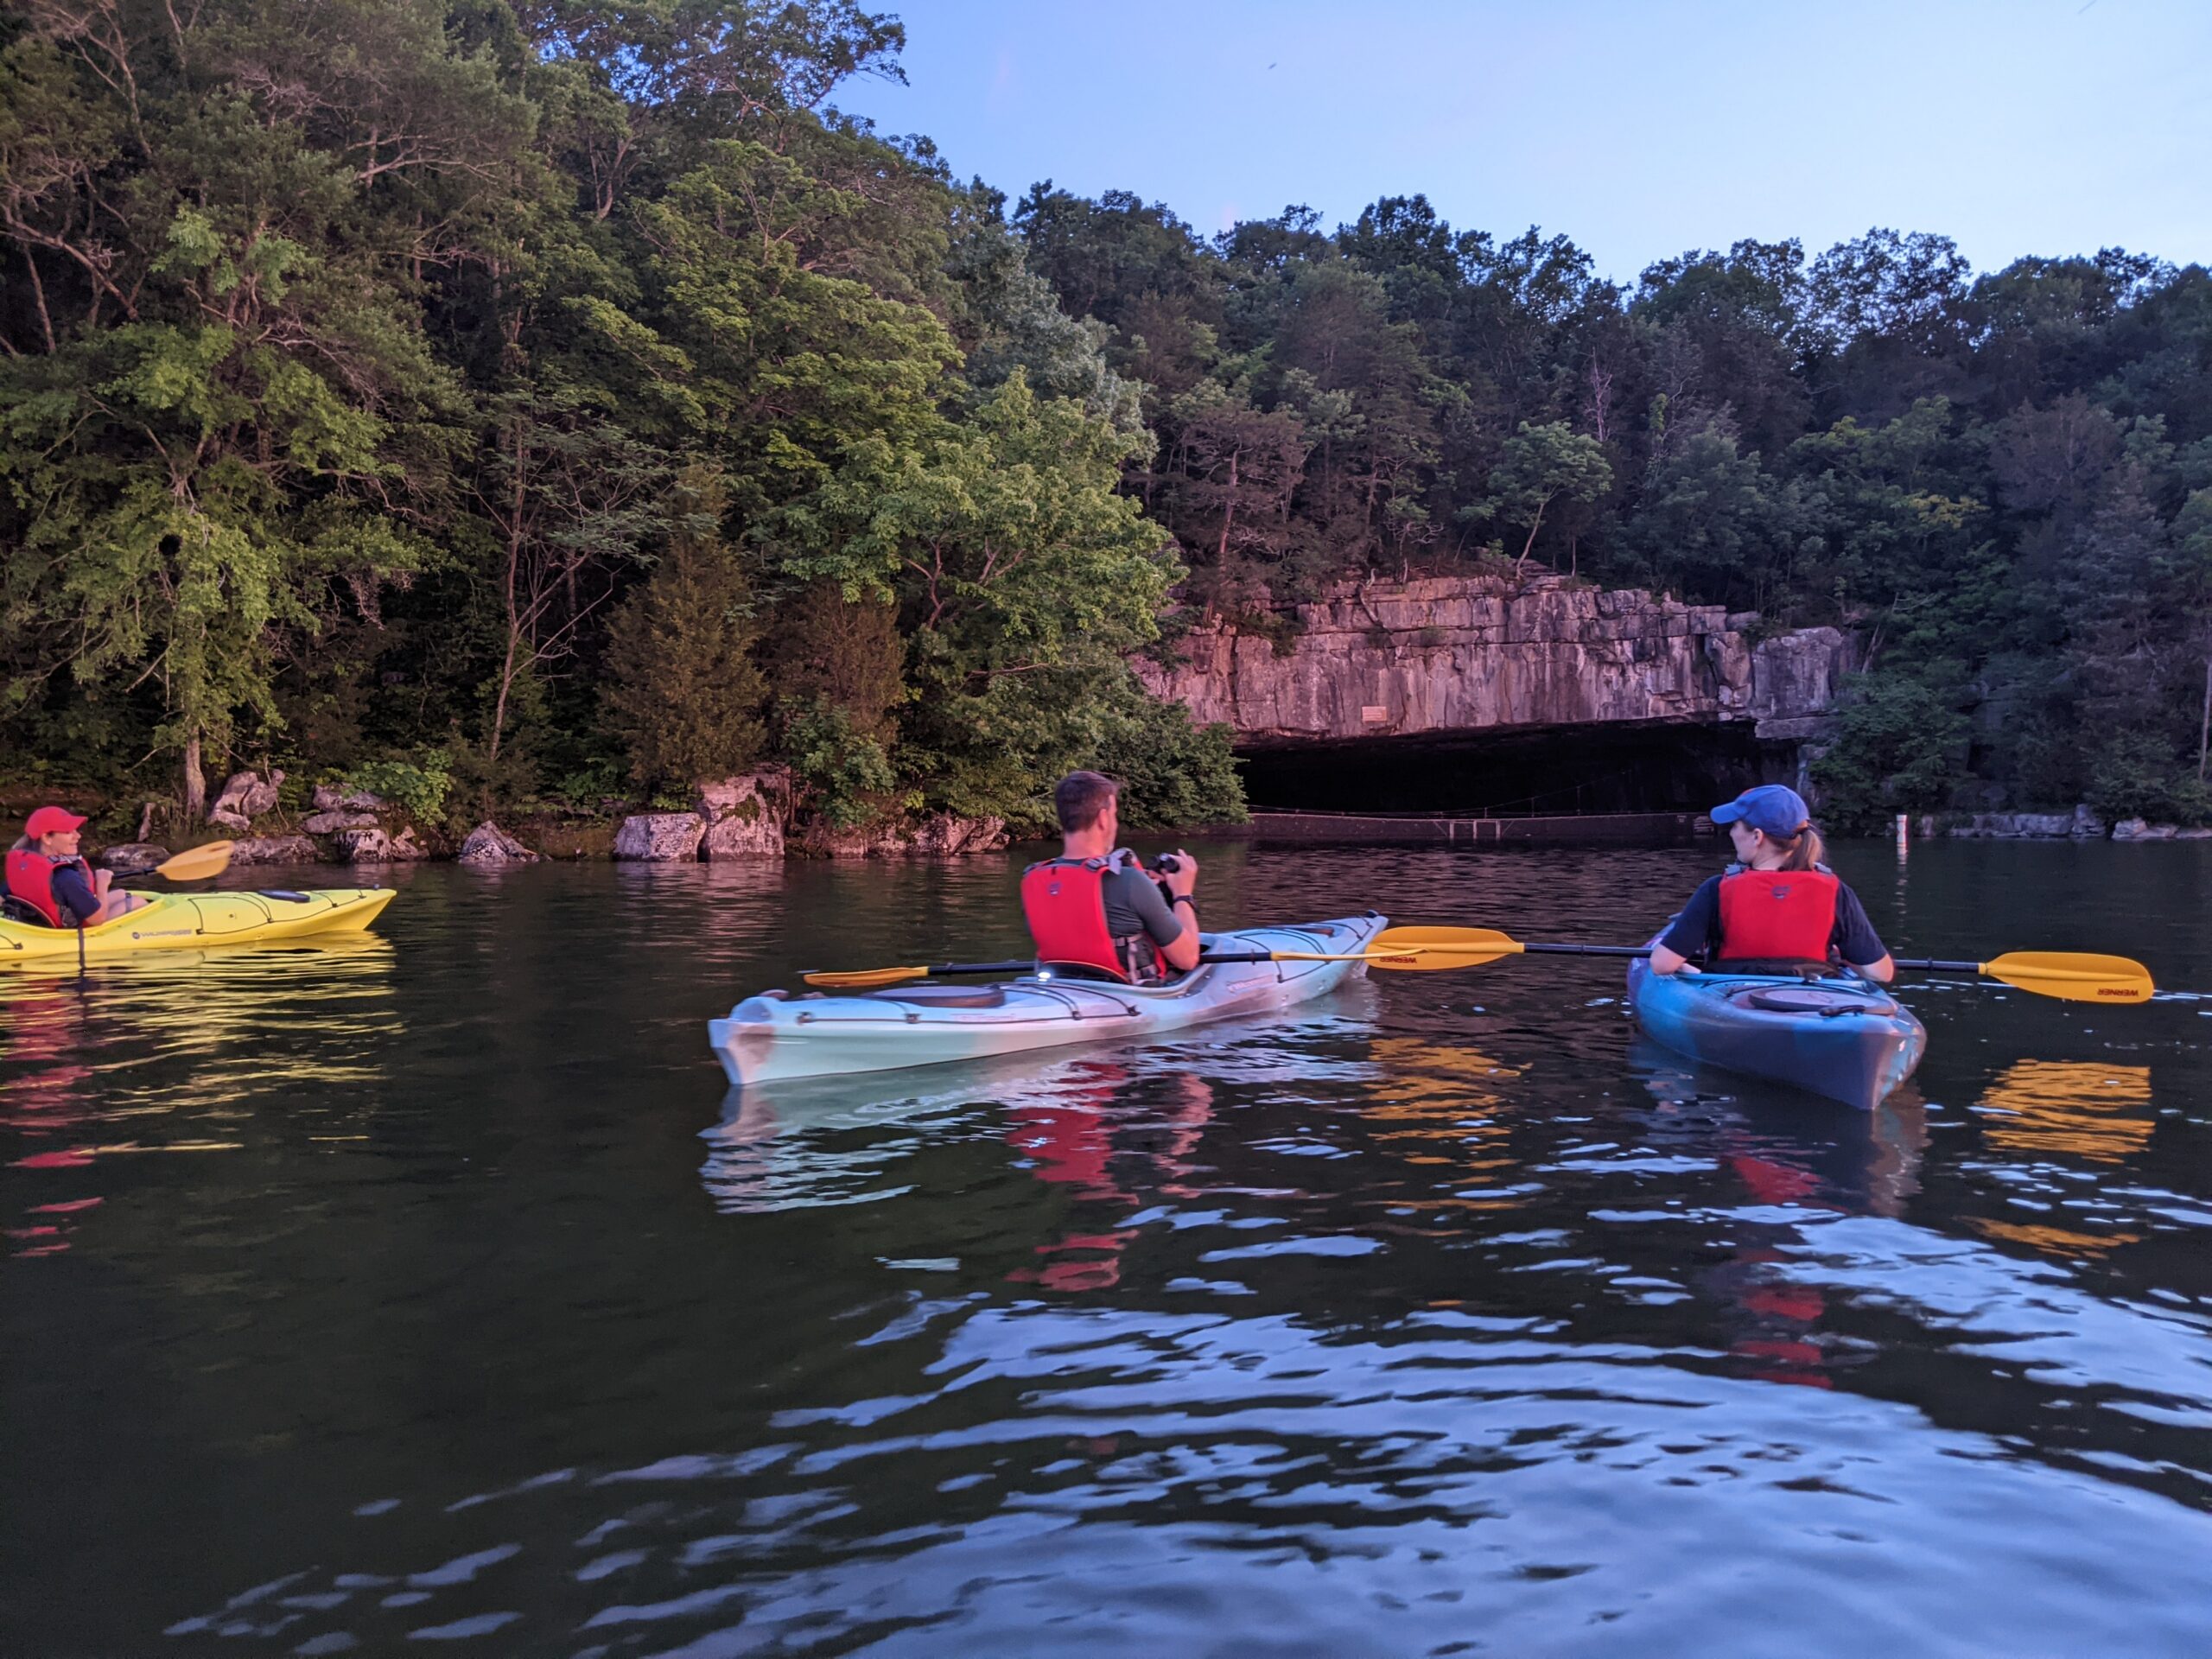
1904	822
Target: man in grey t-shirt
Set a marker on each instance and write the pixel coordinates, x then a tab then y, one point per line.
1088	806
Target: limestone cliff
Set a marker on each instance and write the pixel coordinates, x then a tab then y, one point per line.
1468	653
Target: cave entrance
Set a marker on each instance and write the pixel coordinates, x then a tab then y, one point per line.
1619	767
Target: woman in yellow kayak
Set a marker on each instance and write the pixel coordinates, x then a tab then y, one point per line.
46	873
1777	903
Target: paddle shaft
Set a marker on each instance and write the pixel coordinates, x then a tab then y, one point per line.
1920	964
1028	964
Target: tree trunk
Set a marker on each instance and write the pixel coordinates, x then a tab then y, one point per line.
196	782
2204	721
514	621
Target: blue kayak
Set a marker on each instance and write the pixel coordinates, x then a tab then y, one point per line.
1835	1034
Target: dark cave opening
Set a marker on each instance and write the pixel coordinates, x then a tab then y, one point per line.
1621	766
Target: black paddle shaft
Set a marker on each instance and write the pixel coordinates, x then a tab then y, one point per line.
1920	965
1029	964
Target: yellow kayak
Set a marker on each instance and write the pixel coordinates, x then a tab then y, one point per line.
196	921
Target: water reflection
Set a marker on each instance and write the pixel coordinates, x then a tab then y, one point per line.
1450	1315
2089	1110
168	1052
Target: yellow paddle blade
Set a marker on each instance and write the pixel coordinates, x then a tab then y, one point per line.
197	863
1422	949
865	979
2076	976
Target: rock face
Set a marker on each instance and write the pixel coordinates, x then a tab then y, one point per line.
326	823
1468	652
371	844
745	815
488	845
660	837
276	849
245	796
133	857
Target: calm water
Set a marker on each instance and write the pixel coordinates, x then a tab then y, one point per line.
434	1287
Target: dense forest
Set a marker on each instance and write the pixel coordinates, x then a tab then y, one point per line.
539	402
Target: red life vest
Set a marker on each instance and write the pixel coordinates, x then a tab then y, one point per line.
1063	900
30	877
1778	915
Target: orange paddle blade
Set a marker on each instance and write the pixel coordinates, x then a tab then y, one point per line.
2076	976
1421	949
197	863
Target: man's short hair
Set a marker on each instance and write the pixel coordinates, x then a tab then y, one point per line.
1080	797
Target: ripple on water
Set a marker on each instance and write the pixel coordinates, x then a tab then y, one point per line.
1445	1317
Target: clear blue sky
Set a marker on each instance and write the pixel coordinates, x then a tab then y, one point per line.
1639	130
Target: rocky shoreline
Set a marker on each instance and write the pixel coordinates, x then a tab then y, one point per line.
2081	824
749	817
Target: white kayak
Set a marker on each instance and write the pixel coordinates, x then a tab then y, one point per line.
775	1037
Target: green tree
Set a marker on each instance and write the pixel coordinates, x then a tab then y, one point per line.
1539	466
682	693
1899	747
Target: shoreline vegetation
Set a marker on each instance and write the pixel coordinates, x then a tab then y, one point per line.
533	413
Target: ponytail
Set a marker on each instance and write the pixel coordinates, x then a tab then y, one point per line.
1802	851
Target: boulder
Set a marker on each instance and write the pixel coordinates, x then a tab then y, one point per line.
819	840
133	857
245	797
2016	826
2088	826
2137	830
736	836
745	815
660	837
276	849
326	823
942	836
330	799
371	844
2198	833
489	845
748	794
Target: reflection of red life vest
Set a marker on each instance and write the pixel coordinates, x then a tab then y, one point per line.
1064	902
30	877
1778	915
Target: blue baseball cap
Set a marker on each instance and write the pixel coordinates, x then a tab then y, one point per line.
1775	808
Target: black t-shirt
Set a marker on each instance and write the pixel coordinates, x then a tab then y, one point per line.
1696	931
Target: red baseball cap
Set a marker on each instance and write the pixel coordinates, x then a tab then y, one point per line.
51	821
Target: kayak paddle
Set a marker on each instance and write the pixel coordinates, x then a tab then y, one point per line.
2075	977
1387	950
195	863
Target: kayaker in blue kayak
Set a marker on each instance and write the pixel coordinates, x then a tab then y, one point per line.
1095	908
47	873
1777	902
